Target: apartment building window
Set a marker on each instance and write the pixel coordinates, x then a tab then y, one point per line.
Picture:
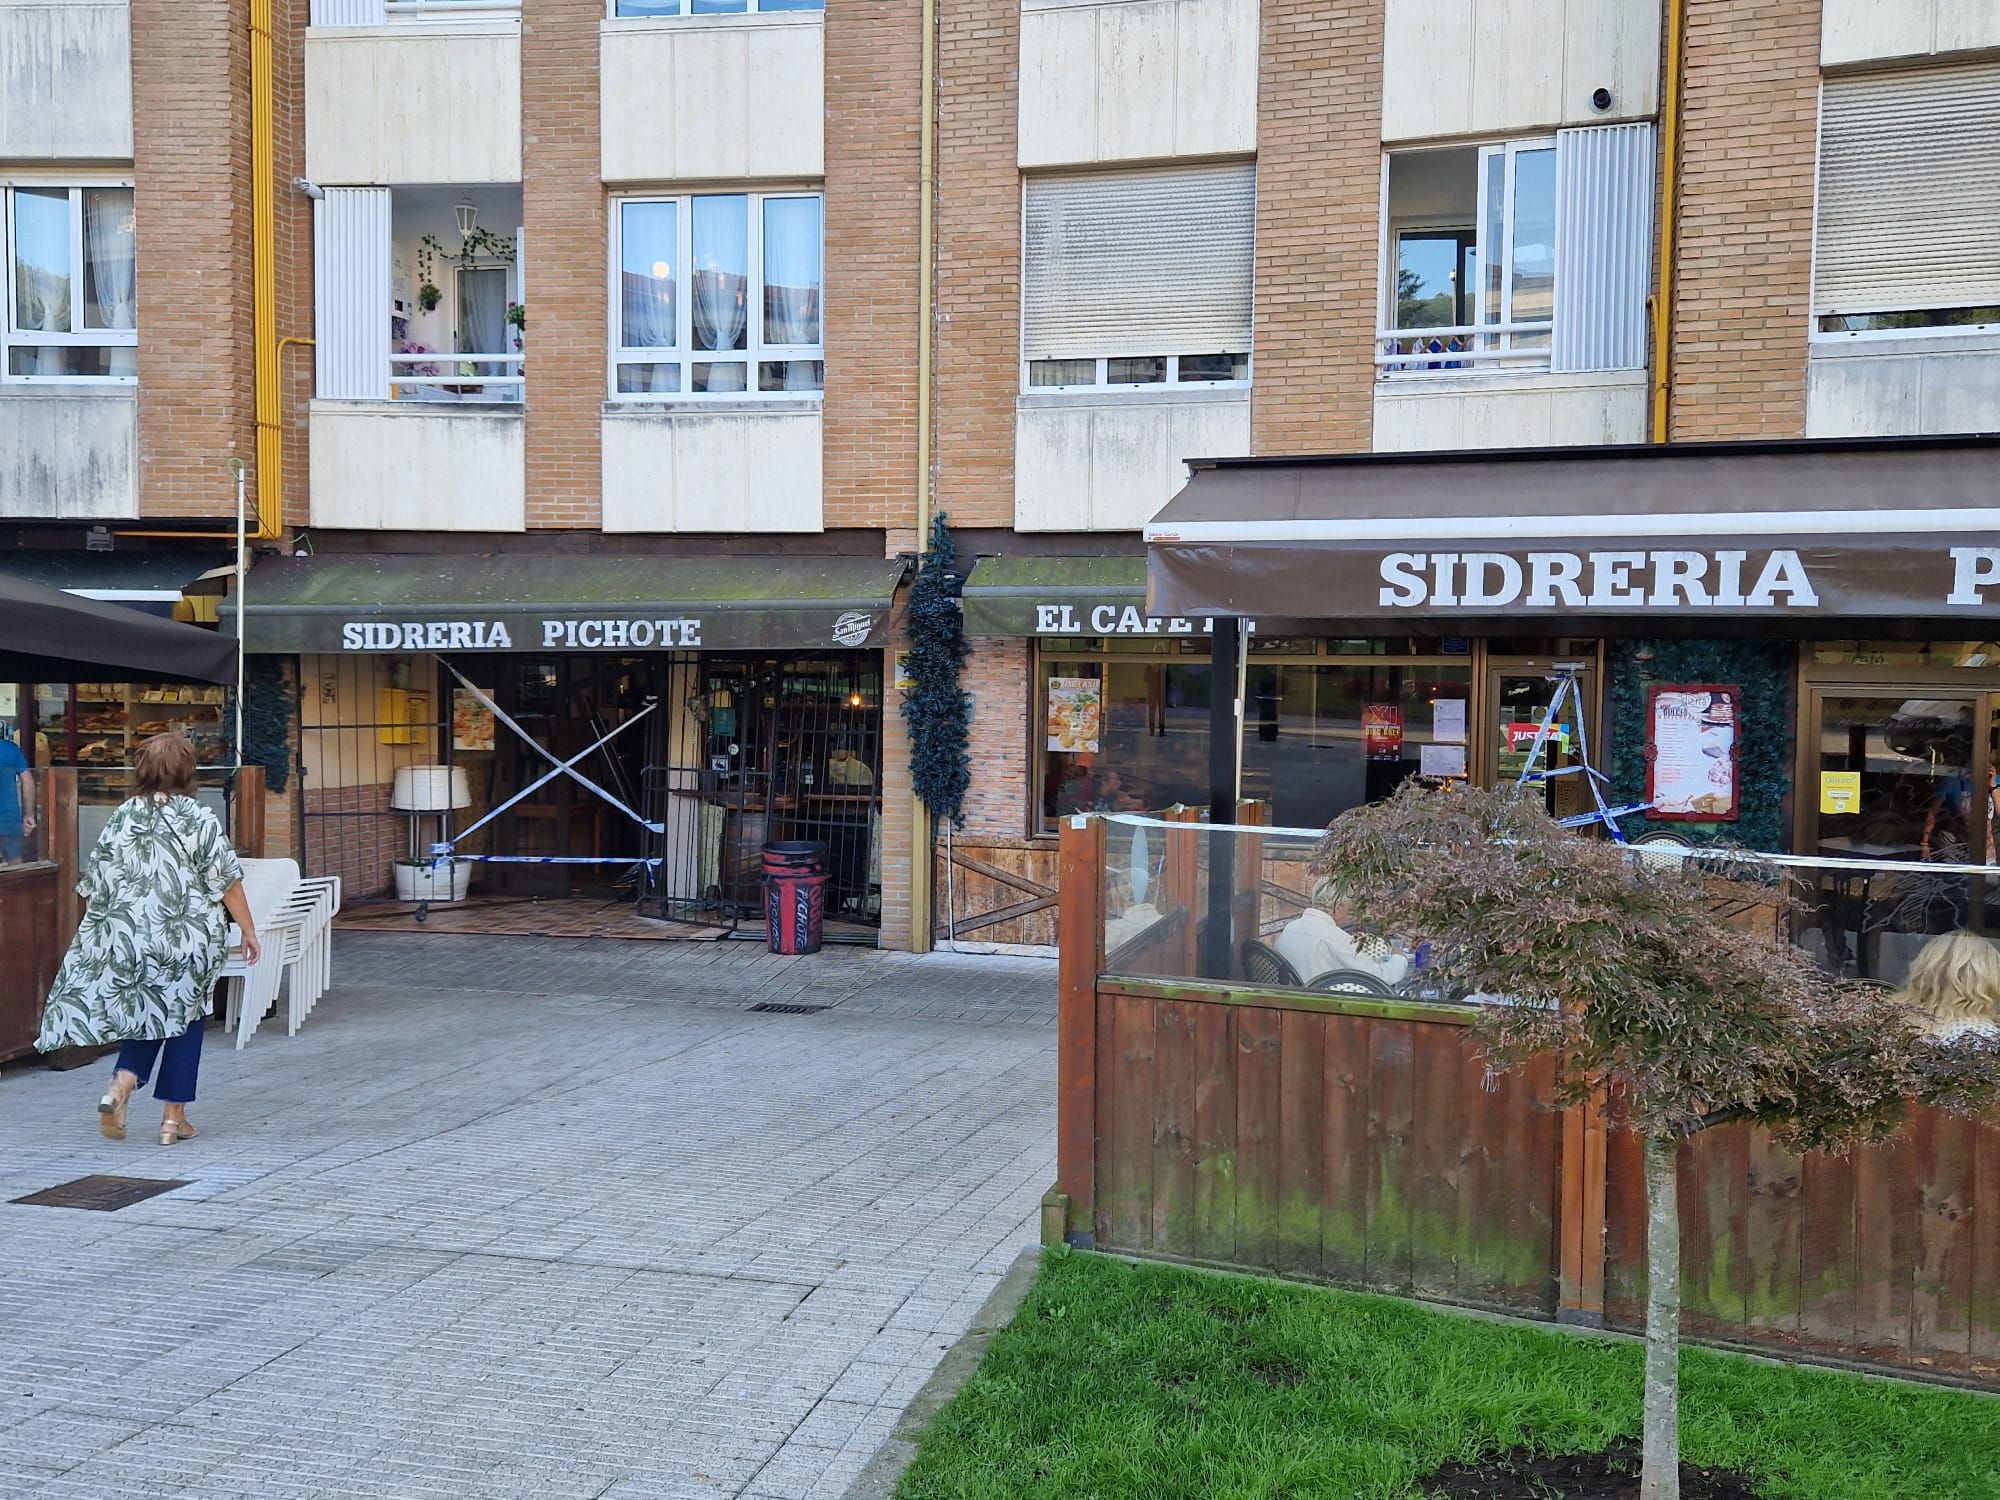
1906	242
717	294
72	290
1138	280
1532	254
709	7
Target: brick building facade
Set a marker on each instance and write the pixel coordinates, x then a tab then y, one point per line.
1204	228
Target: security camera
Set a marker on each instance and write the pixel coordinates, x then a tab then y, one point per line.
313	190
1600	100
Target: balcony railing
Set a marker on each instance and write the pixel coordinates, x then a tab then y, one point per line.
1483	346
428	376
433	9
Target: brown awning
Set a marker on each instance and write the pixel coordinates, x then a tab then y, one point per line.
1792	535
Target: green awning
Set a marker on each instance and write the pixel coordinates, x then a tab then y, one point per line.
1063	596
522	602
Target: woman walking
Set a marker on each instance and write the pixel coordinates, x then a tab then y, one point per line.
150	948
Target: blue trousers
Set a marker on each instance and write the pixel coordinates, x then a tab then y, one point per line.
177	1068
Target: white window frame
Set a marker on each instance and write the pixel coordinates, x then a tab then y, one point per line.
10	335
755	352
1103	382
1491	343
684	11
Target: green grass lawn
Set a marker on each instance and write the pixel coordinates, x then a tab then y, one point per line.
1124	1382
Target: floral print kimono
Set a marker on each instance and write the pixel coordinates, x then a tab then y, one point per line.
151	946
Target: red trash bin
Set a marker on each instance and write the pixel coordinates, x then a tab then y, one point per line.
794	896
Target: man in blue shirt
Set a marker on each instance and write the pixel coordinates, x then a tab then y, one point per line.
17	800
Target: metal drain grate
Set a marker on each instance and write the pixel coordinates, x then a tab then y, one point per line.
774	1008
105	1195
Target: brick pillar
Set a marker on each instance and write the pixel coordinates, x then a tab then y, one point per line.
1000	801
191	160
869	460
563	210
1743	282
979	260
1319	188
898	830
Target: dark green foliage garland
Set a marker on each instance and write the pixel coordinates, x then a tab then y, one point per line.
937	709
1763	669
271	703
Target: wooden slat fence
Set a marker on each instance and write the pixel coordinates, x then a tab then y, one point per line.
1359	1141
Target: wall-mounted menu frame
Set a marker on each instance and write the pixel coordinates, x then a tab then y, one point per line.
1692	752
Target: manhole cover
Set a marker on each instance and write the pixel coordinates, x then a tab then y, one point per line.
773	1008
104	1194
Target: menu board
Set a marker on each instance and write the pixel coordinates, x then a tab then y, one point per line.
1691	751
1075	705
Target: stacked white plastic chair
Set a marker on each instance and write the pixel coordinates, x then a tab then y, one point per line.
308	958
252	989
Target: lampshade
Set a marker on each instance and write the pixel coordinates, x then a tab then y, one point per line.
429	789
467	213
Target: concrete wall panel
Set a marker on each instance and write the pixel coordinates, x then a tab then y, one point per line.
65	80
414	103
68	455
754	471
416	467
1109	464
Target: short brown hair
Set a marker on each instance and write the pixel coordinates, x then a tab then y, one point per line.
164	767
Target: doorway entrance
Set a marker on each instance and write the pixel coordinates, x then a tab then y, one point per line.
766	749
1519	691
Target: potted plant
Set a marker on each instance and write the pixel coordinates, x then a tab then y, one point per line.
428	295
436	881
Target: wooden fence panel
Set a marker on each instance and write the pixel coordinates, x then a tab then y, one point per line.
1879	1256
1324	1138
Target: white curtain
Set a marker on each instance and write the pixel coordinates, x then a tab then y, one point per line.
110	270
721	271
792	271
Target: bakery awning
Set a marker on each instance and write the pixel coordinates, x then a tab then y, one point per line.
150	582
50	635
1797	537
407	602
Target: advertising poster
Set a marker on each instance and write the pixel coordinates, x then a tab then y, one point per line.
1382	731
1691	751
471	722
1075	705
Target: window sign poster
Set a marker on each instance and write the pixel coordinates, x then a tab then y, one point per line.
1691	753
1075	706
471	722
1448	720
1382	731
1840	792
1441	762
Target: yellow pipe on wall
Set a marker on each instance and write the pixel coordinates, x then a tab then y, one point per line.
920	815
1670	146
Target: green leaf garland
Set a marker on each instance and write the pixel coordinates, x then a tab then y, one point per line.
937	709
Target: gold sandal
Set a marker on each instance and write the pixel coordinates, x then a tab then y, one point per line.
111	1117
176	1130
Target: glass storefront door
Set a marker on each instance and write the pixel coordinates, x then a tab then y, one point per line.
1518	697
1898	775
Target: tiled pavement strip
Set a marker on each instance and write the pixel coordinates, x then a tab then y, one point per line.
521	1217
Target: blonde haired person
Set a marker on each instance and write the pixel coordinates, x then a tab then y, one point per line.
1954	986
150	948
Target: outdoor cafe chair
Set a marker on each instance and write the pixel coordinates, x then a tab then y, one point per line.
1349	982
1263	964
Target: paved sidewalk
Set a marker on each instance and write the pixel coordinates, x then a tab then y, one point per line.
531	1217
